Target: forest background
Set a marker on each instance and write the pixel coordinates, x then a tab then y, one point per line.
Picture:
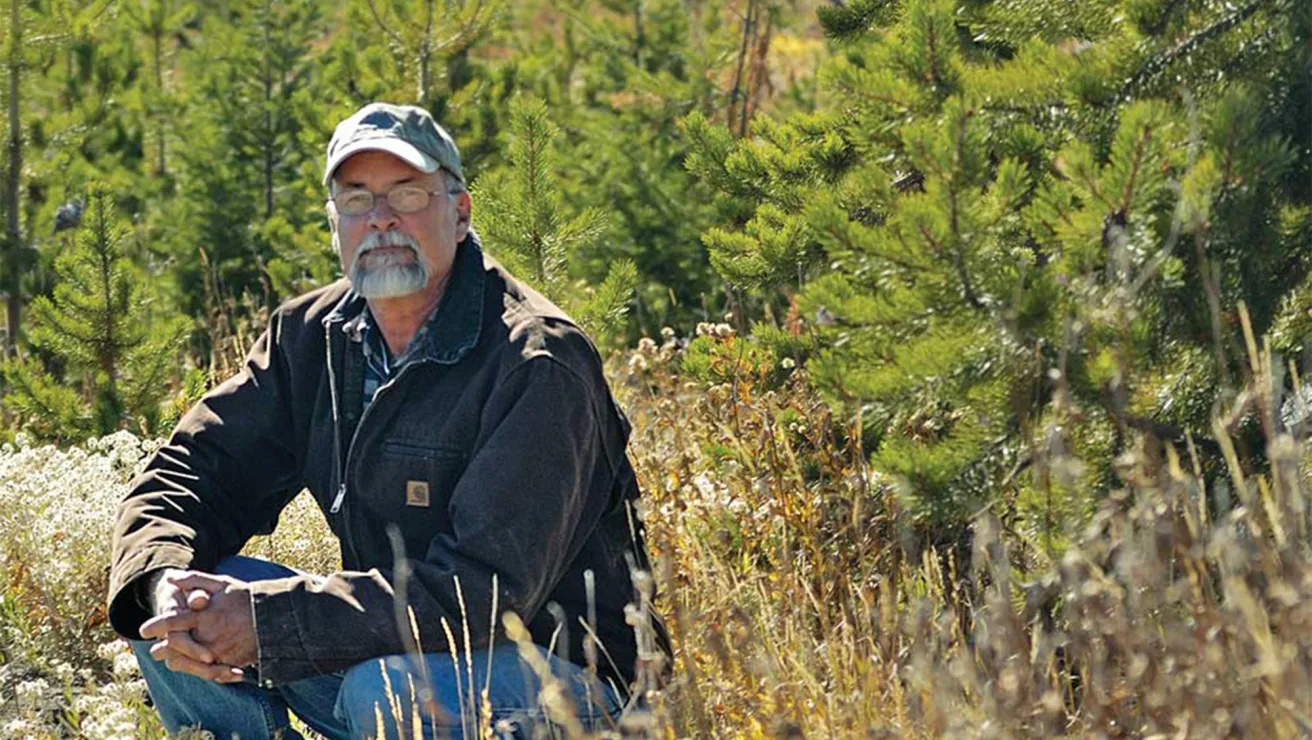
963	340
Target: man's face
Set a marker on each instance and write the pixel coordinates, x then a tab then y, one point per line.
387	254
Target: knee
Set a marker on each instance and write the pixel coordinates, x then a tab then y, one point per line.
141	649
389	688
373	689
362	687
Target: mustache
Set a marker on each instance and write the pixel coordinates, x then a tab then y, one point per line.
376	240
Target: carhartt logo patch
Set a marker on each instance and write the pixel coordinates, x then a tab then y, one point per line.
416	493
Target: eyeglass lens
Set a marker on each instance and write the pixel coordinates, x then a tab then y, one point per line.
401	200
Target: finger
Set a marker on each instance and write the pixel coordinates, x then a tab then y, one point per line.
193	580
184	643
218	672
231	674
156	628
167	597
198	599
160	650
164	651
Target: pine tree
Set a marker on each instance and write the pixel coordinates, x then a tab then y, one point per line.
424	34
1014	231
617	76
12	249
158	22
99	362
35	36
246	230
519	213
266	122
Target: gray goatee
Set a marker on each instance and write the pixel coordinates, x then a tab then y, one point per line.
387	275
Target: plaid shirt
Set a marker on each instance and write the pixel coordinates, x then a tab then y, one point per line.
379	364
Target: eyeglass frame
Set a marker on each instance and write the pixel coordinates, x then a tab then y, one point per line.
388	197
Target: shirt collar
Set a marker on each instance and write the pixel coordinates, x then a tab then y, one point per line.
455	325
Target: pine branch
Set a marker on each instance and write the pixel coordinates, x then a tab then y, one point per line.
1166	432
1164	19
935	76
1158	64
1137	162
466	29
1027	108
383	26
954	219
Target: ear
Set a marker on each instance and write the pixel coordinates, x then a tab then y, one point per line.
464	212
330	209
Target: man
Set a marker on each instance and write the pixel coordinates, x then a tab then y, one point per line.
434	406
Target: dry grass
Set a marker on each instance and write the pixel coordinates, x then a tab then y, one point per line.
799	606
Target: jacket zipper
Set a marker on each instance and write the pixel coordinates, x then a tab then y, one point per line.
343	468
338	468
341	491
338	472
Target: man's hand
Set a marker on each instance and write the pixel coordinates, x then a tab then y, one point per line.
204	625
178	649
166	596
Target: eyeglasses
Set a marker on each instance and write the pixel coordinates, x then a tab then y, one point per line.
402	199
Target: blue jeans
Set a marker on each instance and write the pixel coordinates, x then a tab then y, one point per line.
349	704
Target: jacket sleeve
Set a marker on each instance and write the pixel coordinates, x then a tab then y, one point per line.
536	485
225	474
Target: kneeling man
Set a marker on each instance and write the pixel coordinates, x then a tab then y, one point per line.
428	400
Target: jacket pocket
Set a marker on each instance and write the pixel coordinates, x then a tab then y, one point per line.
409	485
403	449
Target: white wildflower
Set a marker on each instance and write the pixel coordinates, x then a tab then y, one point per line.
111	713
64	671
125	665
18	728
31	693
112	649
57	509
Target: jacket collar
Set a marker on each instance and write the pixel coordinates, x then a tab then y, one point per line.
455	326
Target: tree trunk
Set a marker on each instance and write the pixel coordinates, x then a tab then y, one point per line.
156	34
749	19
13	237
425	73
639	33
426	56
109	360
269	136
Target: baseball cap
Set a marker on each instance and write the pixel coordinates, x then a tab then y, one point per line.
406	131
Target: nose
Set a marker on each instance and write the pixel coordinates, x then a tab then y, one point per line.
382	217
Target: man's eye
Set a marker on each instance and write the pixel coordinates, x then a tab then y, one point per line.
355	202
407	199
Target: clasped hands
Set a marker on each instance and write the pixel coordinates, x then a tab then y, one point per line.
203	625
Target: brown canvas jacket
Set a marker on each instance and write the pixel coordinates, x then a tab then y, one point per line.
500	452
